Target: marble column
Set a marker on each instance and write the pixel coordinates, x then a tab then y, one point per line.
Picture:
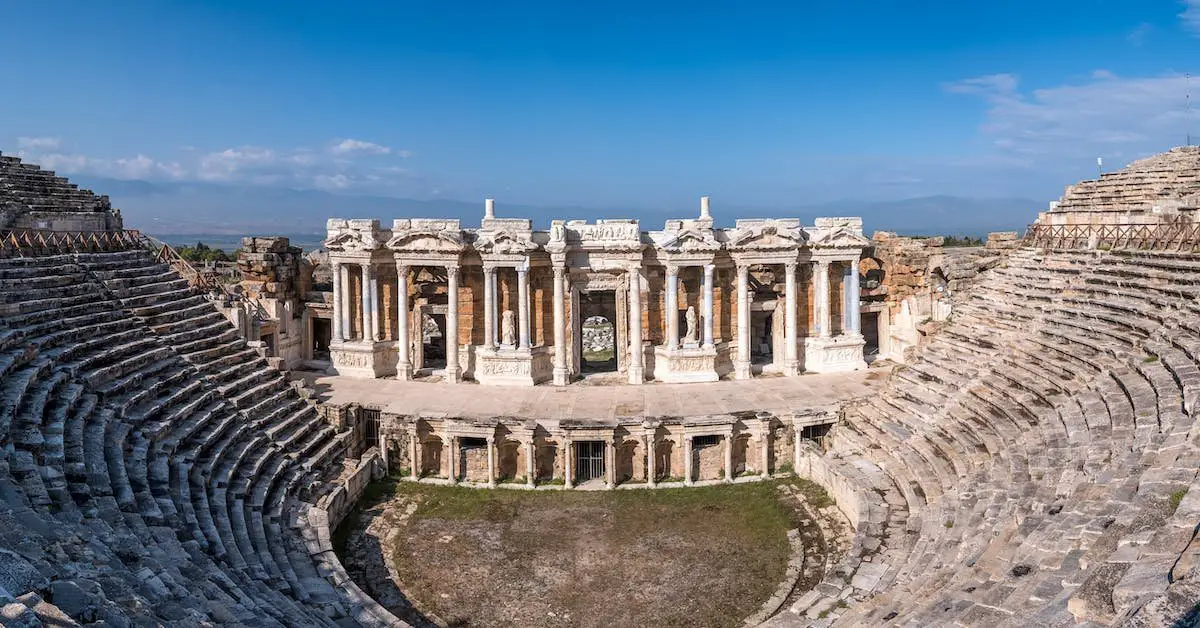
561	374
795	450
672	307
403	364
347	305
651	448
821	286
495	313
491	459
741	367
568	462
790	360
636	353
530	462
452	372
452	442
523	306
489	308
610	463
852	309
415	473
709	269
729	457
765	453
367	307
338	286
687	460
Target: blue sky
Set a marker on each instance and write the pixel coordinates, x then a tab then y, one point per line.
600	104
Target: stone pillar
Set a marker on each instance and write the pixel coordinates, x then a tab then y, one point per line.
741	366
708	305
562	376
636	354
530	462
821	287
672	306
338	286
412	454
347	306
687	460
403	364
795	450
495	339
368	309
790	365
452	443
651	448
853	307
523	305
729	457
610	464
491	459
452	373
568	450
489	308
765	454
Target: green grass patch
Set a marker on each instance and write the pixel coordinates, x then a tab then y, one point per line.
1175	499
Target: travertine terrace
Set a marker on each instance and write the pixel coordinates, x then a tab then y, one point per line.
1033	461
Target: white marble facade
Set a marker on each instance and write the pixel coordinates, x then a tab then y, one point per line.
637	271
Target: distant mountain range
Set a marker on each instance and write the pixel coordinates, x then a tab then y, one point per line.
199	209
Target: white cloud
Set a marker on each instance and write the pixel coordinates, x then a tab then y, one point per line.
988	85
138	167
233	163
38	143
349	145
1138	35
1107	115
1190	17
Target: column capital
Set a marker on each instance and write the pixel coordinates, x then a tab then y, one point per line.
452	270
709	268
791	266
490	439
559	271
489	270
821	263
672	269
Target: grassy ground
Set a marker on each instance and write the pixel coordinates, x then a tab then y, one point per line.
707	556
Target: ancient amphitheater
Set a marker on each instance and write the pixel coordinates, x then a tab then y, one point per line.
1029	460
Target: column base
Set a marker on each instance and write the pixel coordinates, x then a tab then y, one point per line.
637	375
404	372
562	376
791	368
453	375
834	355
685	365
742	370
367	360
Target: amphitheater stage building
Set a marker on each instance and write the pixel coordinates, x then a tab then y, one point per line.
505	304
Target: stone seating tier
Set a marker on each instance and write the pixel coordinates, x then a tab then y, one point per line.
135	478
1033	449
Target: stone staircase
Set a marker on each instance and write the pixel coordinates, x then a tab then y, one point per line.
26	187
154	469
1027	469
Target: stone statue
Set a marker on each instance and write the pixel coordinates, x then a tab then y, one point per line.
508	333
690	318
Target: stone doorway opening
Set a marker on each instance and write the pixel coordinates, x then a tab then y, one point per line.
433	341
762	337
322	335
870	332
589	460
598	332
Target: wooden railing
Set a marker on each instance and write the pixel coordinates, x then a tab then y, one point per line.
40	242
1159	237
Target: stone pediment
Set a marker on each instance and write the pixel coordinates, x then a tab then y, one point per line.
506	243
768	236
348	237
427	241
691	241
839	238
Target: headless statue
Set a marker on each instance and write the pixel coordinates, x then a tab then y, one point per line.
690	318
507	329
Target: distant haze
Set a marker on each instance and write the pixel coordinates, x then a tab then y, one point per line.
191	211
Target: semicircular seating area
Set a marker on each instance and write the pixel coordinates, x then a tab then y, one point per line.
1037	463
154	467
